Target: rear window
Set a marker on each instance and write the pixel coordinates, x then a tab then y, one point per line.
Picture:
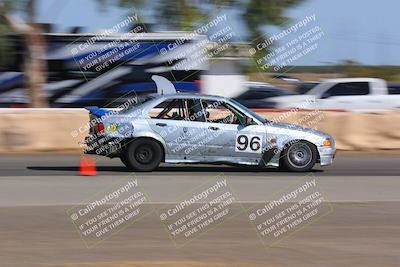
139	101
261	94
394	90
348	89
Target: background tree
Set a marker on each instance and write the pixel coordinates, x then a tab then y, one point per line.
185	14
266	12
35	68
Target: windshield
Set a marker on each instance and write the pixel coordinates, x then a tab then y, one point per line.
255	115
261	93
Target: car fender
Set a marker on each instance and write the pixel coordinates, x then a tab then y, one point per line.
272	156
147	134
278	141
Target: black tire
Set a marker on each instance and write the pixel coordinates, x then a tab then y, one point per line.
300	156
143	155
125	161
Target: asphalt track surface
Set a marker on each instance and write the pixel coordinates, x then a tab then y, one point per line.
56	165
361	229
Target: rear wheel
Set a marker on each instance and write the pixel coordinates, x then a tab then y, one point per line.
143	155
300	156
125	161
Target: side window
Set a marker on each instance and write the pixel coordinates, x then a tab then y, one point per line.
172	109
194	110
221	112
254	94
246	95
266	94
261	94
179	109
348	89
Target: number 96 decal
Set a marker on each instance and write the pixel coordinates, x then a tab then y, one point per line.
248	143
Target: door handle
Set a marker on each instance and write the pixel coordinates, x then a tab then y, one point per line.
213	128
161	124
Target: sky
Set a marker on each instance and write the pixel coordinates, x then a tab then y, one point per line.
365	31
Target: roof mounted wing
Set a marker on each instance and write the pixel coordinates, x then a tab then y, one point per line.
164	86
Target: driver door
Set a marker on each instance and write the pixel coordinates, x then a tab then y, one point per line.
180	123
229	139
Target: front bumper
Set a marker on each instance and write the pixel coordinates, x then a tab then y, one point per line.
326	155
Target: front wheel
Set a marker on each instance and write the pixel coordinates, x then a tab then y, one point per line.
300	156
143	155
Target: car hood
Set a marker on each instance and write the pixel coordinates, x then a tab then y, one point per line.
295	128
293	99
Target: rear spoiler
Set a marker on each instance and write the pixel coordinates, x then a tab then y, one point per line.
164	86
98	112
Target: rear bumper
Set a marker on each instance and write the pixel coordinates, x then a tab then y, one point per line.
326	155
110	148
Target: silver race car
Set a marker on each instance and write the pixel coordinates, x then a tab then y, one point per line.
190	128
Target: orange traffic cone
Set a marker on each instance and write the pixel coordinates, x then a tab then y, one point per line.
87	167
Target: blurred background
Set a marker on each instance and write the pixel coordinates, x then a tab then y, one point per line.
272	56
38	69
329	65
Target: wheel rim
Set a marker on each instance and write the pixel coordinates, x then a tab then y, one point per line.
299	155
144	154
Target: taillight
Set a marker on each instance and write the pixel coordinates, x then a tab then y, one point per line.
100	128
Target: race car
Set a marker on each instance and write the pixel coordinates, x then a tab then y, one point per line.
176	127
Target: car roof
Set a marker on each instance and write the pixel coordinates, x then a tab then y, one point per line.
191	96
344	80
258	84
263	89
